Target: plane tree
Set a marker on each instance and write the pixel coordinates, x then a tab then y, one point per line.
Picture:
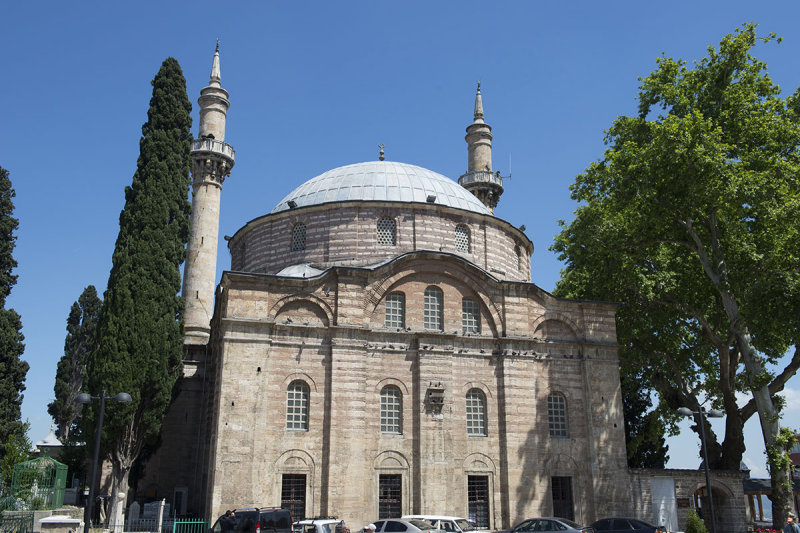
692	220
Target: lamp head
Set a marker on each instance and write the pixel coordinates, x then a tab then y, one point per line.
685	411
123	397
715	413
83	398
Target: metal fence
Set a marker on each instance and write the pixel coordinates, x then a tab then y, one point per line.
16	522
169	525
189	525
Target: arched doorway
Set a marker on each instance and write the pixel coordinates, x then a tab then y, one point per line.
722	506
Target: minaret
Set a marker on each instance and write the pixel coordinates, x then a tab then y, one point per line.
486	185
212	160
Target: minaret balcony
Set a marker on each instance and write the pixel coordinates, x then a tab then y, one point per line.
212	147
480	176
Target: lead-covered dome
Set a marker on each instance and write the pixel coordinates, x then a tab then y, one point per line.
382	181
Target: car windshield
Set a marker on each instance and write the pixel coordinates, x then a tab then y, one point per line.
465	524
570	523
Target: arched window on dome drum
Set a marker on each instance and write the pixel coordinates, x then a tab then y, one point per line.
463	243
297	405
476	413
470	316
395	310
432	313
387	231
557	415
391	410
519	258
299	237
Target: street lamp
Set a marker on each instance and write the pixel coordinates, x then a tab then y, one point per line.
86	398
713	413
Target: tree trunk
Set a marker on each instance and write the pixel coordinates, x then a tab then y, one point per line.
119	493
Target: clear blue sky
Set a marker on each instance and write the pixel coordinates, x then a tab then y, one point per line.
317	85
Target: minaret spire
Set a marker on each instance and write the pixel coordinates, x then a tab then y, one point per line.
215	75
212	160
486	185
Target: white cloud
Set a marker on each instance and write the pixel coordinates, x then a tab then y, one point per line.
757	468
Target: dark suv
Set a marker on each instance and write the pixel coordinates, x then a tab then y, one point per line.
257	520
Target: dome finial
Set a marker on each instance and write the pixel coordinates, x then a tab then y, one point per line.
217	51
380	155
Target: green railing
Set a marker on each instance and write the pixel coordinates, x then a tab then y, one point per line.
189	525
16	522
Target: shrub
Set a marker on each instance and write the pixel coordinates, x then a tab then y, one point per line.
694	524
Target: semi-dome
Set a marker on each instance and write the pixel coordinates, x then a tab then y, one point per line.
381	181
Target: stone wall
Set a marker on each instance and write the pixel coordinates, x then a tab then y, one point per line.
346	234
328	332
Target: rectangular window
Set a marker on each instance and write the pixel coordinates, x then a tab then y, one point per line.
470	316
478	500
395	310
432	313
390	496
293	495
562	497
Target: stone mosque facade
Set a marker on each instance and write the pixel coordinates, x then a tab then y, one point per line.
378	348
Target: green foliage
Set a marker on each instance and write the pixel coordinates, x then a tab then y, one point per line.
644	430
17	449
71	369
694	524
138	341
692	220
12	369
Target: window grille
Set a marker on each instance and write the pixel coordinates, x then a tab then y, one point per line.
390	496
387	232
293	495
391	410
562	497
395	310
470	316
463	243
557	415
432	313
299	237
476	412
478	500
297	406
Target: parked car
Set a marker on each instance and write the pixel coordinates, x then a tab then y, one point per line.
398	525
258	520
548	524
626	525
449	524
320	524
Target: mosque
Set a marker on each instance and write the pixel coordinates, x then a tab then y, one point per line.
378	348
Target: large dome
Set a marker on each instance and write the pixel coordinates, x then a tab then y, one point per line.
382	181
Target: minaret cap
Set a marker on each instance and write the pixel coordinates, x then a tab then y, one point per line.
215	75
478	117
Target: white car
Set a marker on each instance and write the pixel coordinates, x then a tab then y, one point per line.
329	524
447	524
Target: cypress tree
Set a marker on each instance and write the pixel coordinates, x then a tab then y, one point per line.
12	368
139	337
71	370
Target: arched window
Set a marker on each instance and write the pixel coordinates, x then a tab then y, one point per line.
391	410
434	303
557	415
387	231
297	405
476	412
463	243
395	310
470	316
299	237
519	258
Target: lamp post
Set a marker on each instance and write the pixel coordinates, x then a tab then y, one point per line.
713	413
86	398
